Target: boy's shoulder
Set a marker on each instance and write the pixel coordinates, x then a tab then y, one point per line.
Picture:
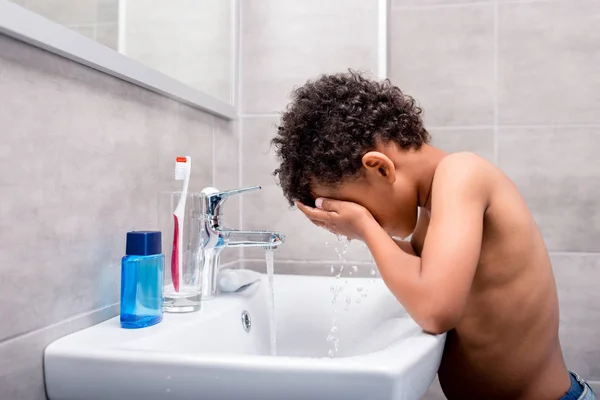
465	170
464	160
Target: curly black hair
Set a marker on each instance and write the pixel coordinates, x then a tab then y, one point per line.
332	122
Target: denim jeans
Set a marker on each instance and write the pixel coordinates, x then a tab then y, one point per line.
579	390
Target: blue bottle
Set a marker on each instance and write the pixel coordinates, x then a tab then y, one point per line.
142	276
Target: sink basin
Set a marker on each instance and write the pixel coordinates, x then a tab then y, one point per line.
223	351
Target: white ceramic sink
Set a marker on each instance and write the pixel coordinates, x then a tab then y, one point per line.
382	353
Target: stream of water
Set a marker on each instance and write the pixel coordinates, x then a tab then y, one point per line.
336	289
271	301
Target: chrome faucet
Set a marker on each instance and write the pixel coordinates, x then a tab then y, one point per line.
215	238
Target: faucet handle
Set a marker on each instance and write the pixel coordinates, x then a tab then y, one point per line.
213	199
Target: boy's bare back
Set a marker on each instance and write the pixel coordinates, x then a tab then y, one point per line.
506	344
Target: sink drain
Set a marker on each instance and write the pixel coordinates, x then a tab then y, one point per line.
246	322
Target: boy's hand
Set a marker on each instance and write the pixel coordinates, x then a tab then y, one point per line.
339	217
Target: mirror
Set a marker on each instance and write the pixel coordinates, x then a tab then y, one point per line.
189	40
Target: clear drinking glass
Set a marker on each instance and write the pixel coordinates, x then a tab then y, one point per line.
187	299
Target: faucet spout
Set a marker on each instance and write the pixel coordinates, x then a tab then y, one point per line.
215	238
266	239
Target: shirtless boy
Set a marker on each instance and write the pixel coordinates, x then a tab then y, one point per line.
355	159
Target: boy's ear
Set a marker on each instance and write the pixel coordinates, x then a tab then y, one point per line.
378	165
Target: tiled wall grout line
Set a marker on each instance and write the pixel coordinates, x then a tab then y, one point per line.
496	81
214	148
414	7
240	179
460	128
546	126
574	253
471	127
464	4
260	115
383	51
240	130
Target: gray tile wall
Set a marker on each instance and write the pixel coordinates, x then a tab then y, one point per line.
283	44
444	57
517	82
82	158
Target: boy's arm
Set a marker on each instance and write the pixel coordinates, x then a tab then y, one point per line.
435	287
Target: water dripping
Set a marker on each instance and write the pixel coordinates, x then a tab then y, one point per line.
336	289
271	301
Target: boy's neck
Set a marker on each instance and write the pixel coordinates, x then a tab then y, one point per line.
424	164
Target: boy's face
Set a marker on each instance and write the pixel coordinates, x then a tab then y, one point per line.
393	205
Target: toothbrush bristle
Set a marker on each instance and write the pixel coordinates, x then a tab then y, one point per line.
182	168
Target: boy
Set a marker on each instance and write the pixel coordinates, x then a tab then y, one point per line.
355	159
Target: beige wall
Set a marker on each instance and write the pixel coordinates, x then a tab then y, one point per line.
82	158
